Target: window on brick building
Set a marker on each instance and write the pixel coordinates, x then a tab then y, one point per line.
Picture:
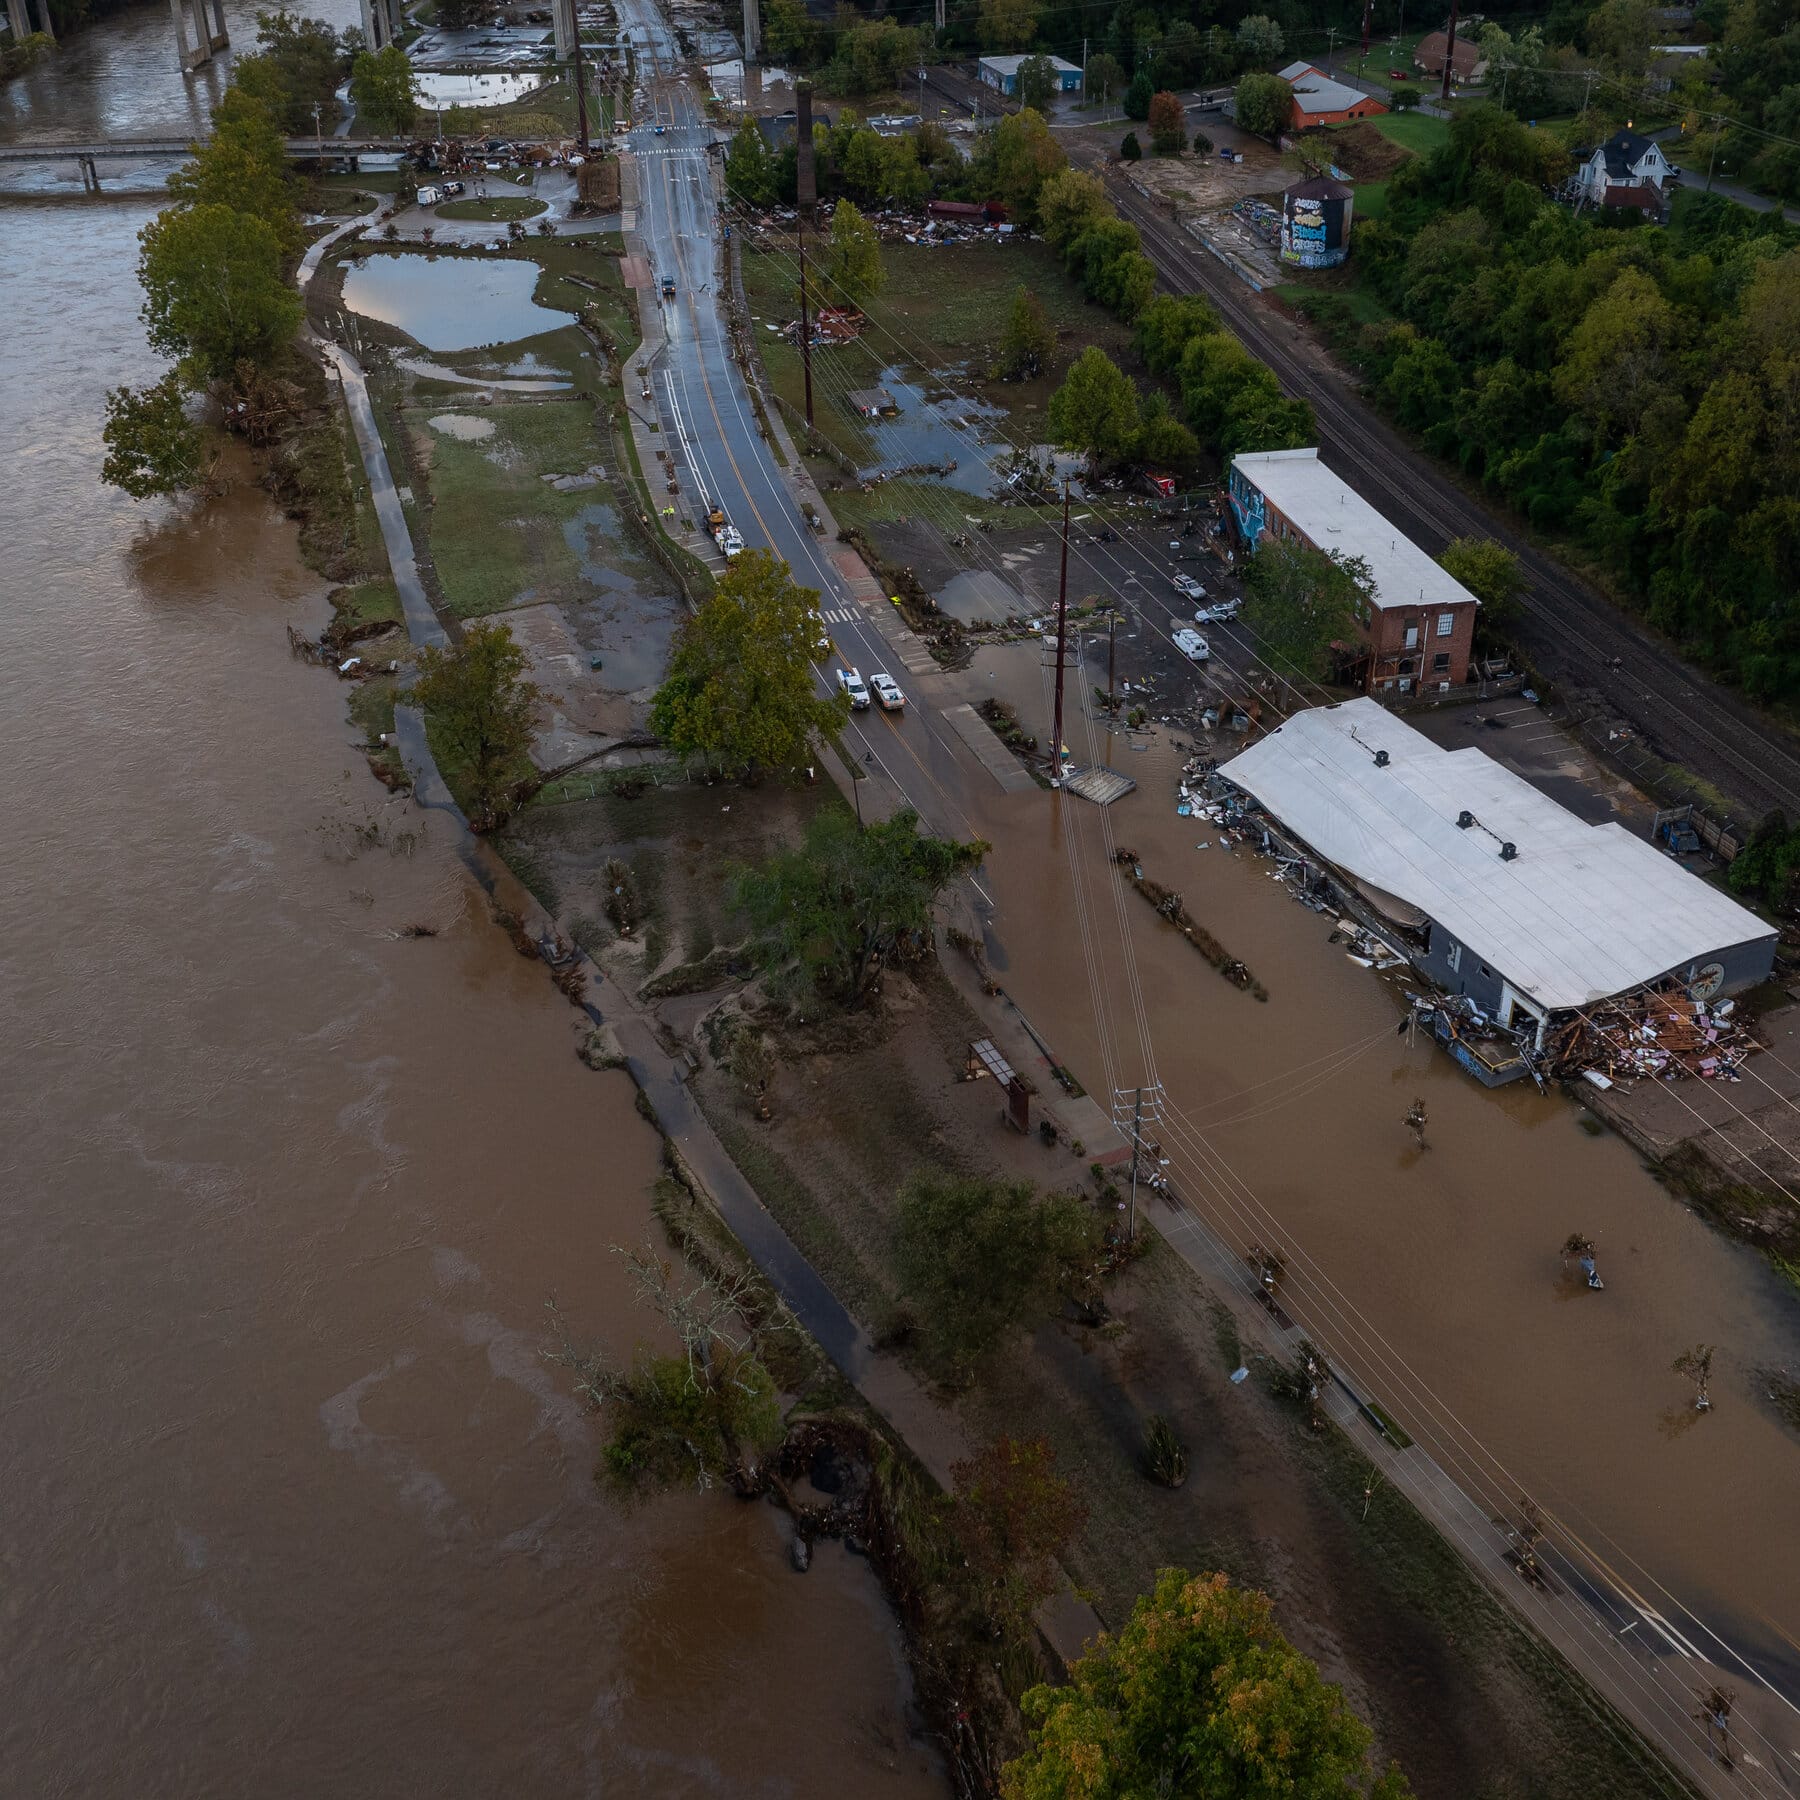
1446	624
1441	662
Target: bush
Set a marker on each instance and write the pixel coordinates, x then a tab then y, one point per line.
1131	150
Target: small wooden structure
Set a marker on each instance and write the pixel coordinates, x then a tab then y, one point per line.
985	1059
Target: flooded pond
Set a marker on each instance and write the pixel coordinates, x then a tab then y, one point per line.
451	303
932	428
493	89
463	426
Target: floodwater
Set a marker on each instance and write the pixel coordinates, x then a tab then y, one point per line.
1435	1279
465	427
294	1504
451	302
437	88
934	427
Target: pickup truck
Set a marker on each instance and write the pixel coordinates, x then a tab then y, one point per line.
887	691
851	681
1188	588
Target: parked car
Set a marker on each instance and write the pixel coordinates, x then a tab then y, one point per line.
452	188
1192	645
1218	613
852	683
1188	588
887	691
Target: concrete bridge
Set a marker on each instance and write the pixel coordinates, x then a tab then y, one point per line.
89	156
204	22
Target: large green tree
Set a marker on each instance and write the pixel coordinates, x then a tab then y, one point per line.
1007	24
243	165
851	269
1491	573
1096	408
741	690
1021	155
385	90
296	66
214	289
977	1254
1300	601
849	902
153	444
1030	338
1038	82
750	168
1259	40
1263	104
478	710
1199	1697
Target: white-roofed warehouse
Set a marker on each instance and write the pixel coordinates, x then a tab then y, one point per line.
1500	893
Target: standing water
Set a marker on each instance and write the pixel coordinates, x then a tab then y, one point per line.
295	1506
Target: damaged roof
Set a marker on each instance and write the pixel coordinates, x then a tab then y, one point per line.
1580	911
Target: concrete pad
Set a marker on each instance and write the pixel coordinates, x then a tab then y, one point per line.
993	755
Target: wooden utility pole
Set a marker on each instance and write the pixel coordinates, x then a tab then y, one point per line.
1062	630
1449	54
1368	19
805	326
1112	628
581	122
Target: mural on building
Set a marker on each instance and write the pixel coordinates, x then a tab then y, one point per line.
1250	508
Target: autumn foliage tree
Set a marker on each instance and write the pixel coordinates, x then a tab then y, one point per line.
1014	1516
1168	125
1199	1697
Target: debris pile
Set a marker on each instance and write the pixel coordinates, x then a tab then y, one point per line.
1663	1036
1169	904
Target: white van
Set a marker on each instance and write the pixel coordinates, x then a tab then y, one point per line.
429	196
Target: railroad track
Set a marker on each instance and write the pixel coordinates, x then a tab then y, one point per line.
1576	637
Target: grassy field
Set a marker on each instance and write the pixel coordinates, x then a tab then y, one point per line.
494	206
1371	199
496	527
1418	132
941	311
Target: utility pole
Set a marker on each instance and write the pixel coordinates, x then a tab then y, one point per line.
1062	627
1331	32
1112	626
1368	20
1137	1139
1449	54
805	323
581	122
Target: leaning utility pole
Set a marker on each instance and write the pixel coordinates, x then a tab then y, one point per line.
1368	20
1112	627
1062	630
1449	54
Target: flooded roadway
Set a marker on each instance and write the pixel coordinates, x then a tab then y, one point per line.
294	1505
1437	1278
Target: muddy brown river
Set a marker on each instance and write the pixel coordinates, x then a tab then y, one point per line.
294	1505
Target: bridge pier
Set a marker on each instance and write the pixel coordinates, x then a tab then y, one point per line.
382	24
18	19
562	13
47	25
203	48
90	175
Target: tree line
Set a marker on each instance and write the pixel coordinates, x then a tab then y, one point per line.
1632	390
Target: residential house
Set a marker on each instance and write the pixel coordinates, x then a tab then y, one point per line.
1627	170
1417	633
1467	64
1319	100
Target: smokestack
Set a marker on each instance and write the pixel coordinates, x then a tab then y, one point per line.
807	187
753	31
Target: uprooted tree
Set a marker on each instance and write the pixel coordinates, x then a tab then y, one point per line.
740	693
1199	1697
707	1412
153	444
829	917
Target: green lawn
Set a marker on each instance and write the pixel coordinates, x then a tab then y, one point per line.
1418	132
1371	200
495	206
496	528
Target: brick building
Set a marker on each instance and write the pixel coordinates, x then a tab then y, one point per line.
1319	100
1417	635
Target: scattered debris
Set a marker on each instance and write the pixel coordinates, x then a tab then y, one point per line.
1169	904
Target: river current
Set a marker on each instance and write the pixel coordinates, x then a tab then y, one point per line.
294	1504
